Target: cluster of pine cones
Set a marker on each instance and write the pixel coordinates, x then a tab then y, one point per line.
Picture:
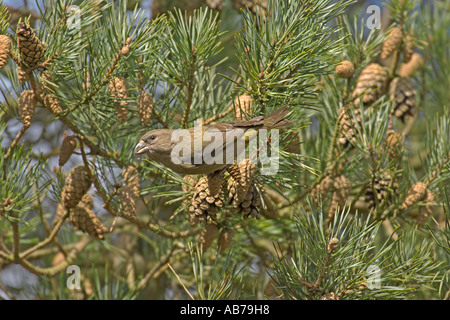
373	83
211	191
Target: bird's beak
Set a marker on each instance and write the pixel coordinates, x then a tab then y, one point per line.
141	148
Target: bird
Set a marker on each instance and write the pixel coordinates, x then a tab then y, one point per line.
159	144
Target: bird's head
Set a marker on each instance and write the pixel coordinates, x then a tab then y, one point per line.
158	140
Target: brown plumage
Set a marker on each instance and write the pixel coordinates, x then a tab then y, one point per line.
158	145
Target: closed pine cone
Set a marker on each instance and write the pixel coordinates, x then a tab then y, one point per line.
394	143
82	218
30	48
416	193
408	47
5	46
321	190
208	235
345	69
392	43
225	239
371	84
68	146
348	127
77	184
402	92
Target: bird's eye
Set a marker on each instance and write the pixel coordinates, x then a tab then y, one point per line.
152	137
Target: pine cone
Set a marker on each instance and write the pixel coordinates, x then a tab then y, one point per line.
30	48
131	179
127	199
381	191
145	107
394	143
5	46
345	69
118	89
243	106
225	239
392	43
82	218
408	47
77	184
426	211
208	235
416	193
341	192
205	200
408	69
332	245
402	92
68	146
321	190
371	84
348	127
52	103
242	175
27	104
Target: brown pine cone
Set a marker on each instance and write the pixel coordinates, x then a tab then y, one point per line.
5	46
205	201
371	84
27	104
408	47
426	210
345	69
408	69
402	92
68	146
118	89
392	43
416	193
30	48
381	190
341	192
242	175
82	218
145	107
394	143
77	184
208	235
243	106
321	190
225	239
348	127
332	245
